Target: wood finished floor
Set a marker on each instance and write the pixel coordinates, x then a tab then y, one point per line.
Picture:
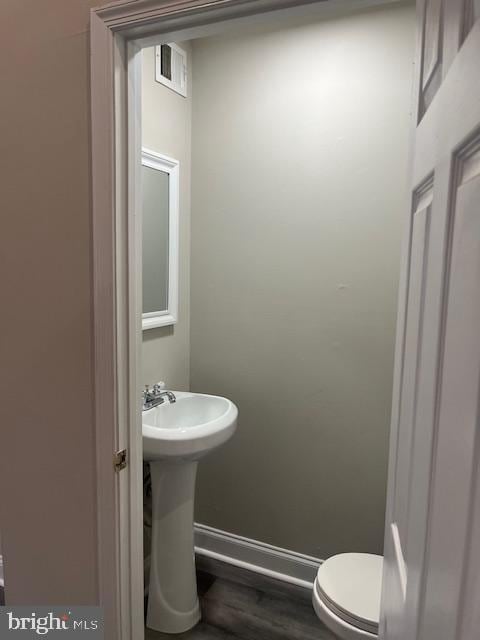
241	605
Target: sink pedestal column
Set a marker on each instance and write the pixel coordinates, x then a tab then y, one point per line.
172	599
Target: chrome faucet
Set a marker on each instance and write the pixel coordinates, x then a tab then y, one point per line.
154	397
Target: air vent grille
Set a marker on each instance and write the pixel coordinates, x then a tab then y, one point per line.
171	67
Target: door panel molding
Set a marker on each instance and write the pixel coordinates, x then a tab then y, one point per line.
457	103
451	500
401	565
433	496
431	53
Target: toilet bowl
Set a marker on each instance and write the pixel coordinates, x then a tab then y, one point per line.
346	595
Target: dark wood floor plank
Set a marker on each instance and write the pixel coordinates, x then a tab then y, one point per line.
259	615
201	632
251	608
204	582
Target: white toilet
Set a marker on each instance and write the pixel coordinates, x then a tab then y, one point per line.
346	595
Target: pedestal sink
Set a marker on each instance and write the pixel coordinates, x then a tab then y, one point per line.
175	436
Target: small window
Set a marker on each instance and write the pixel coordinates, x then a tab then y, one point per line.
166	61
171	67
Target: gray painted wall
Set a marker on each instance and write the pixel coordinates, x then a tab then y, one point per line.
166	128
300	140
47	497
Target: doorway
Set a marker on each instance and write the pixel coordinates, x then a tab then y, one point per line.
128	283
313	293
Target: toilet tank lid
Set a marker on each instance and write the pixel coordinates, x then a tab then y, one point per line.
353	583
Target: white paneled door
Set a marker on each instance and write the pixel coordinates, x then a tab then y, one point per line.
431	587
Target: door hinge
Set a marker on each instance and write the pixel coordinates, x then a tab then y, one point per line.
120	460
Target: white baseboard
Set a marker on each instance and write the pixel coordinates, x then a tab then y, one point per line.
262	558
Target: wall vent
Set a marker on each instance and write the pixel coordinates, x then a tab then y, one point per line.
171	67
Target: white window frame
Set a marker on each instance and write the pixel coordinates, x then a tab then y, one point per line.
158	69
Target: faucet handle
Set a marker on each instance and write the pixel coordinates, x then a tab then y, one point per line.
157	389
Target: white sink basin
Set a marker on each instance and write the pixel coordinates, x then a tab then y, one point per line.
188	428
175	437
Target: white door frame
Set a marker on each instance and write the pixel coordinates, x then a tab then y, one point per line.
117	31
